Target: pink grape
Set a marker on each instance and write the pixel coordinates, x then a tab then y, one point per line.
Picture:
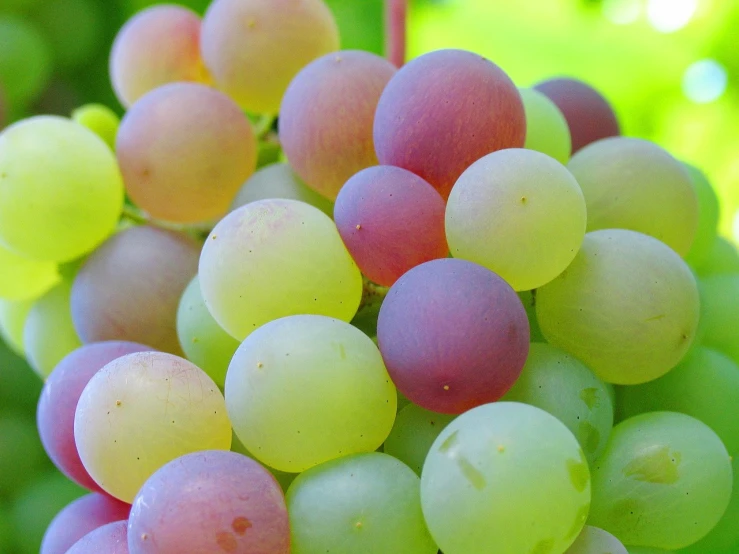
453	335
390	220
58	402
157	46
108	539
81	517
184	151
327	116
445	110
211	501
130	288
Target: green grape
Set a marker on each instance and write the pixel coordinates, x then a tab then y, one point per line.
21	456
708	216
274	258
664	481
519	213
25	60
414	432
283	478
528	298
596	541
278	180
100	119
368	503
305	389
22	278
705	385
13	317
721	258
546	128
48	334
627	307
505	478
62	190
74	29
647	550
203	341
720	313
560	384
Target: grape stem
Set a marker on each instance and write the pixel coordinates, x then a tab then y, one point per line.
198	231
372	295
396	13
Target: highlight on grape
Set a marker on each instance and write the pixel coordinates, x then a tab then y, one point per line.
308	300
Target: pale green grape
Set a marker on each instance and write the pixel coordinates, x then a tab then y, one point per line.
627	307
634	184
720	313
560	384
664	481
305	389
704	385
708	216
12	320
596	541
25	60
274	258
62	191
100	119
414	432
48	334
22	278
546	128
368	503
278	180
721	258
505	478
519	213
203	341
283	478
141	411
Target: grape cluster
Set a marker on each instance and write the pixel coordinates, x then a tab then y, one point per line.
425	310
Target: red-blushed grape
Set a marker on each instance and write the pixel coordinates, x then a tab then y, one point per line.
130	287
589	116
185	150
110	539
443	111
253	48
327	114
58	403
81	517
453	335
390	220
157	46
210	501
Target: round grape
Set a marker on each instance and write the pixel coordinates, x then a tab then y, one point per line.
546	127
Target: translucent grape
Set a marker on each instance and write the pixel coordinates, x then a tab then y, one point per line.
278	180
327	116
62	191
141	411
159	45
74	29
596	541
100	119
391	221
210	502
505	478
664	481
22	278
49	334
721	258
486	115
194	124
305	389
414	432
708	216
275	258
130	287
111	539
720	313
204	342
25	60
588	114
546	127
560	384
13	317
254	48
634	184
367	503
627	307
58	403
453	335
21	457
519	213
79	518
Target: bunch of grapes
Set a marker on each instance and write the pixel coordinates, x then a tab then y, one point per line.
403	318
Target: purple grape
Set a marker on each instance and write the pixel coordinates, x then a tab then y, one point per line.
108	539
453	335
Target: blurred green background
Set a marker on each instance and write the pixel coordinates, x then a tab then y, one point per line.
669	67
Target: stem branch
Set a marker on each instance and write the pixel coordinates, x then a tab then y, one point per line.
396	13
